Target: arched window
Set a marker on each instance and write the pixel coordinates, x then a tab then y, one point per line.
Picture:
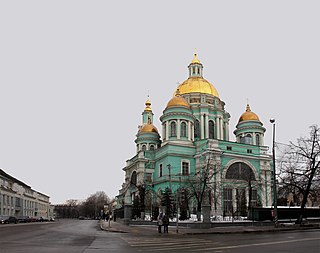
183	129
248	139
160	170
242	140
173	129
211	129
258	139
134	178
164	131
197	129
240	171
144	147
152	147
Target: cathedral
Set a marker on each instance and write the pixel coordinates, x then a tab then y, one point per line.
192	153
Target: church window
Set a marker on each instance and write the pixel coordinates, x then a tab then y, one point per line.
152	147
242	139
173	129
257	139
183	129
148	177
211	129
240	171
160	170
193	70
227	194
198	71
248	139
134	178
164	131
249	151
197	129
254	197
144	147
185	168
229	148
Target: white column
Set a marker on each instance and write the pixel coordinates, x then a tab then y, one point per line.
254	139
227	131
218	127
167	130
221	129
207	127
201	127
178	129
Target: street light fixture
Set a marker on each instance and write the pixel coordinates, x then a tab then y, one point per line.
275	211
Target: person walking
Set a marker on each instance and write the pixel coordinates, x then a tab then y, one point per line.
160	222
165	221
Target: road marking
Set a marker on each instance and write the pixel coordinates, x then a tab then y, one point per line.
259	244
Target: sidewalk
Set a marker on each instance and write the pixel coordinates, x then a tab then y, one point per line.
118	227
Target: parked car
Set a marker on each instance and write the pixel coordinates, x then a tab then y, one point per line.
8	219
31	219
23	219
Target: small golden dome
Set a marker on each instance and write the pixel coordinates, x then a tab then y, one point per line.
177	100
197	84
148	128
248	115
148	104
195	59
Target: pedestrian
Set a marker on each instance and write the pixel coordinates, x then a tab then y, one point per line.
160	222
165	221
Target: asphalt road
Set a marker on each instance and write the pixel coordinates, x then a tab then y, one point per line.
65	236
85	236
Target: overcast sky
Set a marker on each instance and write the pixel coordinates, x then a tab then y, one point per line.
74	77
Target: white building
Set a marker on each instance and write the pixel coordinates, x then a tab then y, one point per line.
19	199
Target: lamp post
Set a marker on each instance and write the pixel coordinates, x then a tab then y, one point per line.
275	212
169	168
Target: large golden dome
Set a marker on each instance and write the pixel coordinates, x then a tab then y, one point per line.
248	115
197	84
177	100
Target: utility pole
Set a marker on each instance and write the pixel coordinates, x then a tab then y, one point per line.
275	211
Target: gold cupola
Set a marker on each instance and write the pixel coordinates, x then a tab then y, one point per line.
177	100
148	105
148	128
196	83
248	115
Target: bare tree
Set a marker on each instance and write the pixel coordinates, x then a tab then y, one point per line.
201	185
300	168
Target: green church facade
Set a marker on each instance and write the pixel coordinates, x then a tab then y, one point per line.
194	143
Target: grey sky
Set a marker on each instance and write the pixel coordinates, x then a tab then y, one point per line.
74	77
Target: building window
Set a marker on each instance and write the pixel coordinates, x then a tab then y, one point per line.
240	171
197	129
134	178
211	129
248	139
144	147
160	170
183	129
229	148
254	197
152	147
249	151
164	131
148	177
257	139
173	129
228	208
185	168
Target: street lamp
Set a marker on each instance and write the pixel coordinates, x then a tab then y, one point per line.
275	212
169	168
